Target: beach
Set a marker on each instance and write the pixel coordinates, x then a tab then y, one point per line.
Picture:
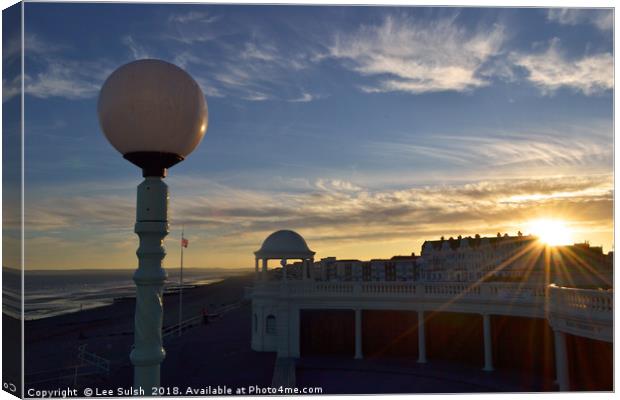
51	344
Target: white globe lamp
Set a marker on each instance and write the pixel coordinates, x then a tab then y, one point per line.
155	115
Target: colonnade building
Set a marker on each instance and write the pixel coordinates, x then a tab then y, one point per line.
450	303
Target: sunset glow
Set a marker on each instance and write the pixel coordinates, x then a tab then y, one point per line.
368	136
552	232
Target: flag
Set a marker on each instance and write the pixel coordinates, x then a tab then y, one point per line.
184	242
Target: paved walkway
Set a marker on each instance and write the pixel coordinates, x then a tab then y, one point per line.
339	375
219	354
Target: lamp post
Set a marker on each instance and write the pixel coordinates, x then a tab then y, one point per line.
154	114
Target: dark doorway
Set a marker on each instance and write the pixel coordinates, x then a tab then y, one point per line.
388	333
590	363
524	345
327	332
454	337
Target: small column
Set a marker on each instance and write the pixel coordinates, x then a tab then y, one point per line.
358	334
561	362
264	273
421	338
304	270
283	264
488	343
256	267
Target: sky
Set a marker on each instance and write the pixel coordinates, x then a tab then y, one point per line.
368	130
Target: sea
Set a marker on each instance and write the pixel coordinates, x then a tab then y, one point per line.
55	292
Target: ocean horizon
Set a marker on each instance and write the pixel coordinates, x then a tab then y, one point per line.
50	293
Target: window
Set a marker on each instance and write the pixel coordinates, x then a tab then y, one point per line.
390	272
366	275
270	325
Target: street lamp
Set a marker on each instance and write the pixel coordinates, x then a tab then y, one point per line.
154	114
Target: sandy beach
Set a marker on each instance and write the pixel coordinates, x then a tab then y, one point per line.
52	343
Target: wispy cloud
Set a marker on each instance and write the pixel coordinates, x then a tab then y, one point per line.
417	57
562	145
193	16
252	51
66	78
11	87
335	212
603	19
137	51
305	97
551	70
195	27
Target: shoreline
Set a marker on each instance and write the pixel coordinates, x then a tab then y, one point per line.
100	297
108	331
190	298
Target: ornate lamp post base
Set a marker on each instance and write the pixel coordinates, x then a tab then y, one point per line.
151	227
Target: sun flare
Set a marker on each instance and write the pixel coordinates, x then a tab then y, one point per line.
552	232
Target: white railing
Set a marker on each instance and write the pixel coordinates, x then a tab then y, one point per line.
577	302
582	312
573	310
388	288
564	300
493	291
451	290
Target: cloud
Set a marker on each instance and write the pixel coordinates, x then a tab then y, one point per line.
193	16
418	57
564	145
551	70
252	51
195	27
49	73
11	88
66	78
137	51
305	97
335	215
603	19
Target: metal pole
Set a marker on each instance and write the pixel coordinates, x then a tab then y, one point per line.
181	282
152	228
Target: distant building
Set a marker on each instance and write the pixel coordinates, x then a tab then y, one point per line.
505	258
469	259
397	268
501	258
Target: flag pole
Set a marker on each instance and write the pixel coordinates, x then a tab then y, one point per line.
181	281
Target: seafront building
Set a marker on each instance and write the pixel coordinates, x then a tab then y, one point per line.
504	302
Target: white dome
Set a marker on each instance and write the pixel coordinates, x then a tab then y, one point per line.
284	244
152	106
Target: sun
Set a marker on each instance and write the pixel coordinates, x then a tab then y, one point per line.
552	232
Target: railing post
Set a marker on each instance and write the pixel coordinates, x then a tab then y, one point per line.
561	362
421	338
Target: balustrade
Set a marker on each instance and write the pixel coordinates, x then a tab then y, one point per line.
562	300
